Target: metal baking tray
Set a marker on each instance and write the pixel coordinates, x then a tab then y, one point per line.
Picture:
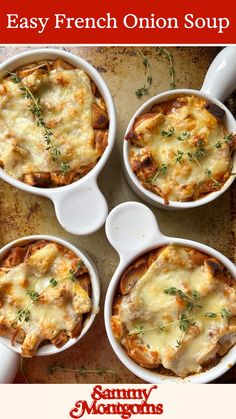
92	360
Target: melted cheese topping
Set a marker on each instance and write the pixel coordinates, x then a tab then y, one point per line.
190	126
149	307
66	99
59	308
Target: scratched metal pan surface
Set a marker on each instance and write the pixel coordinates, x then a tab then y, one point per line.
92	360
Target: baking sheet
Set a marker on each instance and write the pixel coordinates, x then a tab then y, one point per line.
92	360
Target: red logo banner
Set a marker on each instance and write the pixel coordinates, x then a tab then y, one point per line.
132	401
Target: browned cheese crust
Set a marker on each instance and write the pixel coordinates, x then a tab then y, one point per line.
45	295
181	150
152	299
73	110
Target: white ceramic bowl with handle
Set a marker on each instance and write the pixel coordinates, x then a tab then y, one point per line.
132	230
80	207
219	82
10	355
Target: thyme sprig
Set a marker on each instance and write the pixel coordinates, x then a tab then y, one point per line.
72	273
224	313
168	55
140	329
187	318
227	138
208	172
189	300
183	322
144	89
193	154
24	313
36	109
82	370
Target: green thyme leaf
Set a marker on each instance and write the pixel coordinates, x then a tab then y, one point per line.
72	275
80	264
208	172
228	137
53	282
200	143
138	330
183	322
14	77
65	167
179	156
184	136
225	313
171	291
163	169
24	315
199	153
211	315
195	295
34	295
219	144
168	133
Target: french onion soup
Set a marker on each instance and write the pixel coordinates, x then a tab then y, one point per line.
53	124
181	149
45	295
174	311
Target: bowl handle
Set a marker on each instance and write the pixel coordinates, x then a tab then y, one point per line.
81	209
220	80
9	364
132	228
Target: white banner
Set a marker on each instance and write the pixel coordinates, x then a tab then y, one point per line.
66	401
